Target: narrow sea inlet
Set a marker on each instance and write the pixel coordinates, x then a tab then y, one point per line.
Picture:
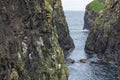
93	70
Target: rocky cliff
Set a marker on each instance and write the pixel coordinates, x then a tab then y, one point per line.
89	18
32	33
104	38
65	41
92	12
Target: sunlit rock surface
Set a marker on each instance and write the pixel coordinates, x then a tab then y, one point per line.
31	40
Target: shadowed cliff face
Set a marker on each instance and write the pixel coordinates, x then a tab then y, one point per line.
104	38
29	47
89	18
65	41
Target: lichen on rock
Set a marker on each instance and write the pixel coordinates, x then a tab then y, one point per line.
29	38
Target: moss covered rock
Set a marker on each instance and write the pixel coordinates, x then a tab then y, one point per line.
96	5
93	10
104	38
30	48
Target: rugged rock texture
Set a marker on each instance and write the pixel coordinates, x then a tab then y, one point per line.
104	38
29	47
91	14
65	41
89	18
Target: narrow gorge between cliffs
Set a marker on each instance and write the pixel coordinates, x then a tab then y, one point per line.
93	70
49	40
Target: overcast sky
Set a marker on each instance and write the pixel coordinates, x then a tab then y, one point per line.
75	4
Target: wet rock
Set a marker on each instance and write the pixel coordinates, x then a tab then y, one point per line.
118	74
85	60
69	61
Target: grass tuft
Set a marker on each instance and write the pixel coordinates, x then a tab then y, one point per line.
96	5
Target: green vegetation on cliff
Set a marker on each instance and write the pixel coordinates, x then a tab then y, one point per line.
104	38
93	10
96	5
30	43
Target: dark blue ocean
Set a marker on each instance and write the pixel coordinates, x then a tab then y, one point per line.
96	70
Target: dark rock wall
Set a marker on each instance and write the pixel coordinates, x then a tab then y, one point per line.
89	18
104	38
65	41
91	15
29	47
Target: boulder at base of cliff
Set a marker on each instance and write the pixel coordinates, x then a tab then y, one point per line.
84	60
69	61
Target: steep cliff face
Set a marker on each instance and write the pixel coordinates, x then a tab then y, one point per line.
104	38
29	47
65	41
89	18
93	10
